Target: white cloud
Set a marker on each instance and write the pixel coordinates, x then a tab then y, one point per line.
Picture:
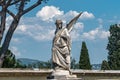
68	16
87	15
22	28
15	40
9	18
75	33
41	29
8	21
15	51
45	36
48	12
104	34
71	14
97	33
37	32
79	26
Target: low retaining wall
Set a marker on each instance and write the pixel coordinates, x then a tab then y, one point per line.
27	74
98	74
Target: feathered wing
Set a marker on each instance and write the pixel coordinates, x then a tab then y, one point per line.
73	21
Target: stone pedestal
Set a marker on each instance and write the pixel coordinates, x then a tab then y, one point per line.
62	75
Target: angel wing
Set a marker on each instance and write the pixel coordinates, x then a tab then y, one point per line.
73	21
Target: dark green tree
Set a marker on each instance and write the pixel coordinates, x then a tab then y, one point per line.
10	61
113	47
16	9
84	62
48	64
105	65
20	65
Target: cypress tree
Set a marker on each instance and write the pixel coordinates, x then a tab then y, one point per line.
105	65
84	62
113	47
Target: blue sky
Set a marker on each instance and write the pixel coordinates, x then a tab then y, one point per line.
33	37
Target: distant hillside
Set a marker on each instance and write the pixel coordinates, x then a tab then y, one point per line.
96	66
33	62
27	61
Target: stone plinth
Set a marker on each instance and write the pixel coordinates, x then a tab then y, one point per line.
62	75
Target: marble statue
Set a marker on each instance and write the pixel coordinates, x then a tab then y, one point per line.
61	47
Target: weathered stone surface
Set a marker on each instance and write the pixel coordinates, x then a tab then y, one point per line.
41	74
62	75
61	46
61	50
60	72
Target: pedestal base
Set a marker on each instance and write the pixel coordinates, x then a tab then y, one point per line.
62	75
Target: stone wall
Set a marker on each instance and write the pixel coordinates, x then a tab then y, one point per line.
97	74
35	74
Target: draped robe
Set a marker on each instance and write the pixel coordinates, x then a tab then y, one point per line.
61	49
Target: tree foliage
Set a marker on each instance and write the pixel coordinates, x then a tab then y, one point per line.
11	62
84	62
113	47
105	65
7	9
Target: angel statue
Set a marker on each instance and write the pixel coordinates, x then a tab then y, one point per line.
61	46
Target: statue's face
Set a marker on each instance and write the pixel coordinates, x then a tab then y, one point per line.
58	24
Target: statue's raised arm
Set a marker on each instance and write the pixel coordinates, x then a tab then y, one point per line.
73	21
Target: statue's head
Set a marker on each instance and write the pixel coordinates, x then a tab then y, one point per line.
58	24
